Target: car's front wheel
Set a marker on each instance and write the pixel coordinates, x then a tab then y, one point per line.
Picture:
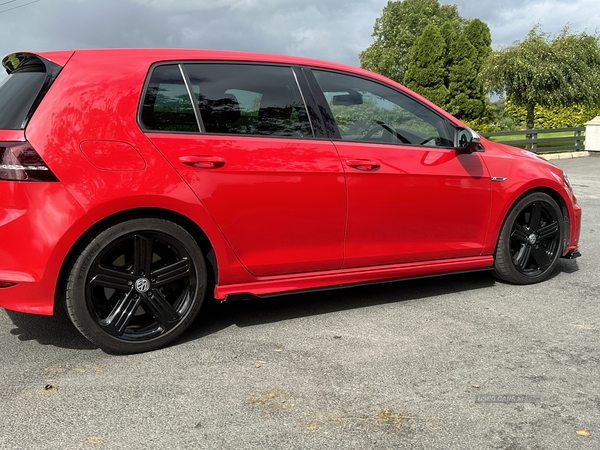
137	285
530	242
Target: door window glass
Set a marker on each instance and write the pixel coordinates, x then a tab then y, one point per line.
368	111
249	99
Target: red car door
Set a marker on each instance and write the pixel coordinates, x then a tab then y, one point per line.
277	193
279	202
418	204
411	195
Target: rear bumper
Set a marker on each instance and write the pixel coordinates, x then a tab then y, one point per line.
39	223
28	298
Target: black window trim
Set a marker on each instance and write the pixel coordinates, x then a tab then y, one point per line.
327	119
305	91
316	119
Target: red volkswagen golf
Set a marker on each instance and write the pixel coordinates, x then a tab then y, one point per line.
136	183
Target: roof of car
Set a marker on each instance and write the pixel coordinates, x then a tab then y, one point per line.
159	54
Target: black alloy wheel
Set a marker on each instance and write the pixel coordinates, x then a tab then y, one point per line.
137	286
530	242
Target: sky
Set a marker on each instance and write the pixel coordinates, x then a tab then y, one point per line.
336	30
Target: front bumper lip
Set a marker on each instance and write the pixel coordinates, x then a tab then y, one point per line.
572	254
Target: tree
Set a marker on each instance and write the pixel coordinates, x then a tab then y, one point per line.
468	97
443	65
478	34
552	72
449	32
426	70
466	57
396	31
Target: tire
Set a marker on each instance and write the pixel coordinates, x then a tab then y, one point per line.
136	286
530	242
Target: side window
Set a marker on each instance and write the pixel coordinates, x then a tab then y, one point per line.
368	111
249	99
167	104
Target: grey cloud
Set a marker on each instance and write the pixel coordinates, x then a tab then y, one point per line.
335	30
511	20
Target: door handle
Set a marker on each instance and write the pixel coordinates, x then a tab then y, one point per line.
202	161
367	165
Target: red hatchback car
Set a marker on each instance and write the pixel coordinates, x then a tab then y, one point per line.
135	183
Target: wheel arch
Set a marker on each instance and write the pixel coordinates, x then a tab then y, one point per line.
509	196
146	212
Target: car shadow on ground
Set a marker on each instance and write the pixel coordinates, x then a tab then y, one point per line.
58	330
215	316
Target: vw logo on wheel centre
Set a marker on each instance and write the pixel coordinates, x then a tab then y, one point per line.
142	285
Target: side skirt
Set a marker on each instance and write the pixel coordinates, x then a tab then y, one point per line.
282	284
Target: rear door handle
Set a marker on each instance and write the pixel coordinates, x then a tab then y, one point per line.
202	161
367	165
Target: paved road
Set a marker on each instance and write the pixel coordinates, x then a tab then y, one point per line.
394	366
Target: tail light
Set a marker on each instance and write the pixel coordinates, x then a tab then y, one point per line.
20	162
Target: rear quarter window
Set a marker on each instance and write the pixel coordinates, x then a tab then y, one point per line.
20	90
167	104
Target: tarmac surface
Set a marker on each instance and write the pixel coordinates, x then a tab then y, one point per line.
454	362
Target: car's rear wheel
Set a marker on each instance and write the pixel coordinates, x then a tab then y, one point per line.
137	285
530	242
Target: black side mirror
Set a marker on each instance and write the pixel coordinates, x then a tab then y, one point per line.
468	141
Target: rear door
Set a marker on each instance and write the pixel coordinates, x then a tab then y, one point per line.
274	188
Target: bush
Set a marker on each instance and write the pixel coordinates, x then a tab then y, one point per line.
574	116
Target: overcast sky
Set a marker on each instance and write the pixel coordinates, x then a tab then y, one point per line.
336	30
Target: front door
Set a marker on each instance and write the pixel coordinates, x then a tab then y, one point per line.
411	195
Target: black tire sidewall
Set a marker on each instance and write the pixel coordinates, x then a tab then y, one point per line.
76	304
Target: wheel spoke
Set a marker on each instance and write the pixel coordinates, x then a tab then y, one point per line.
158	306
119	318
540	257
522	258
111	278
170	273
520	233
536	215
549	230
142	254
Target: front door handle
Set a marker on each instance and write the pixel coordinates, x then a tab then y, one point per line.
202	161
367	165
